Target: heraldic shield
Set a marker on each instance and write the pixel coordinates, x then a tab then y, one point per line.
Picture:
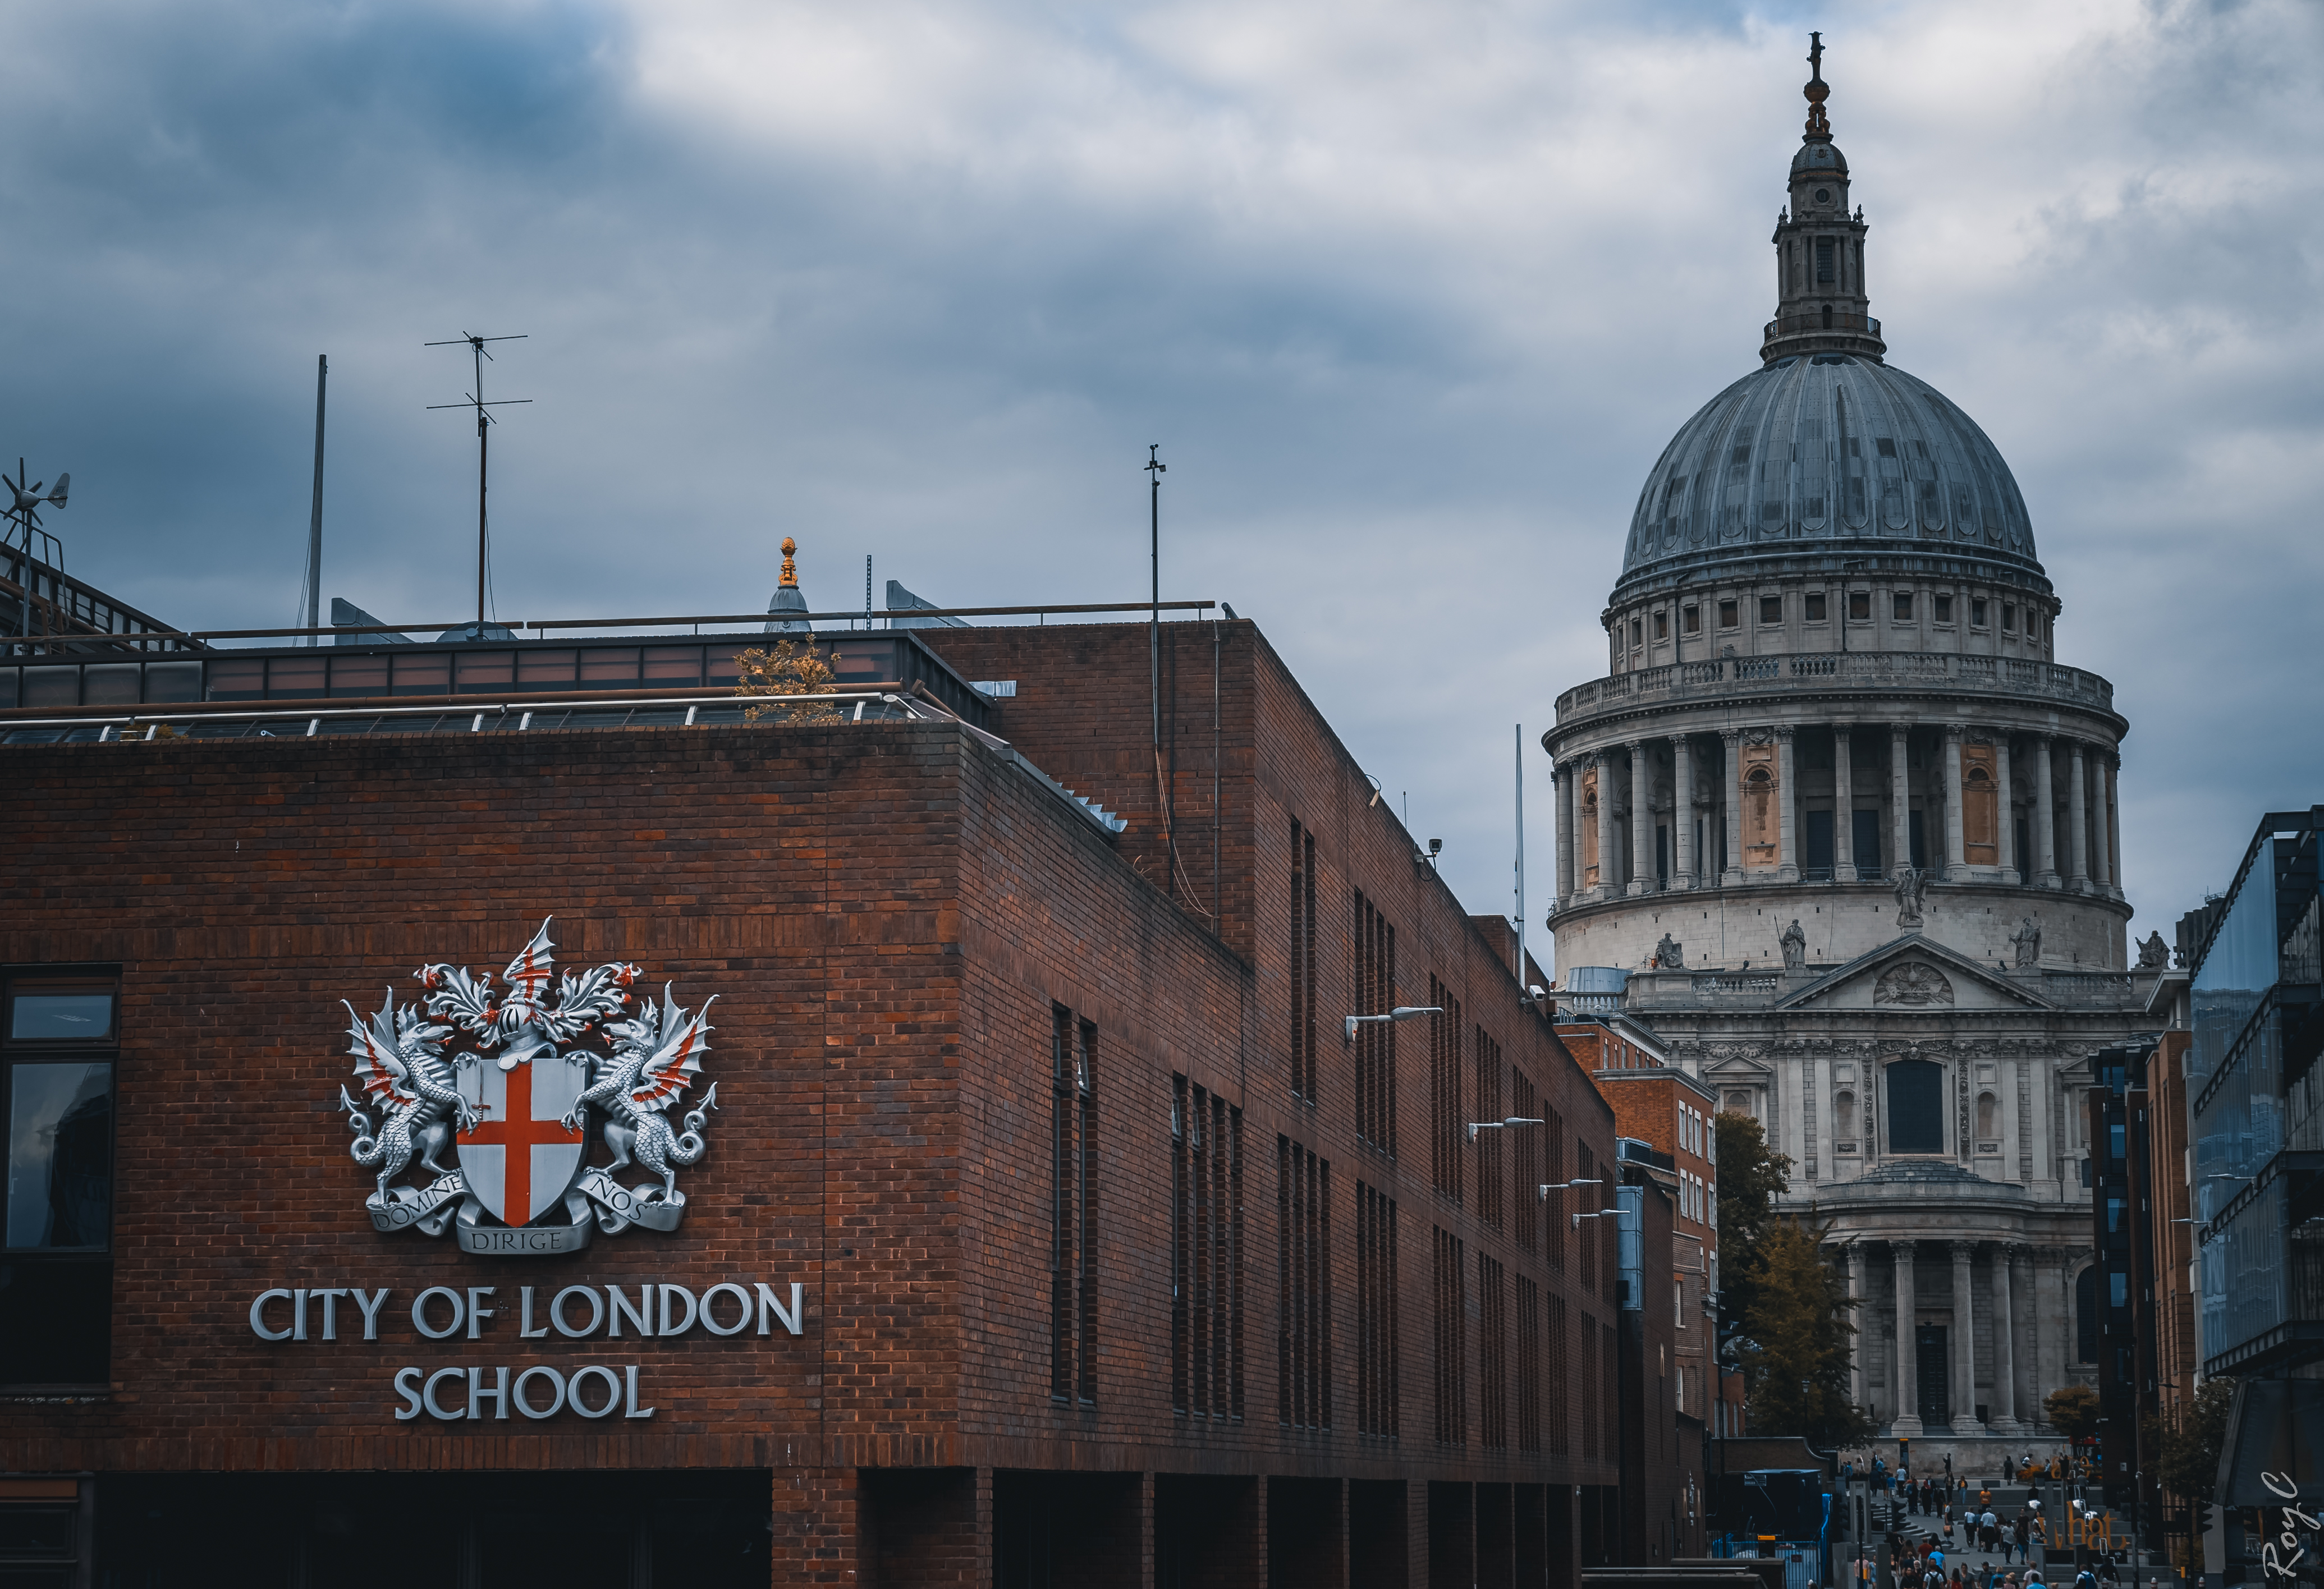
520	1081
519	1159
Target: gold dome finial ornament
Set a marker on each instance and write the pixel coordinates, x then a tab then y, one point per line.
1817	90
791	566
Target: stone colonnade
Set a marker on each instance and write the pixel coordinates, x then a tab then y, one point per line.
2025	1294
1627	775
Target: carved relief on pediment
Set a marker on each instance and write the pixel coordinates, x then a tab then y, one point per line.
1914	983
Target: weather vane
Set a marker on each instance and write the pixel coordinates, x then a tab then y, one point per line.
475	399
24	512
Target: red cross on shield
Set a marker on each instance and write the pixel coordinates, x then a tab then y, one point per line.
519	1160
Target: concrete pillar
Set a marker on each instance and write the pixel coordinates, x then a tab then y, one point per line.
1964	1344
1843	809
2114	824
1566	779
1787	805
2101	871
1955	865
1907	1424
1609	863
2012	863
1900	798
1852	1259
1642	819
1731	877
2024	1396
2045	816
2078	820
2004	1345
1683	856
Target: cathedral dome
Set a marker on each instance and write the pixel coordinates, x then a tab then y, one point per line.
1820	157
1827	454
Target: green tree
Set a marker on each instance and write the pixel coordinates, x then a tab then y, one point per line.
2072	1410
2187	1458
1800	1341
1749	1177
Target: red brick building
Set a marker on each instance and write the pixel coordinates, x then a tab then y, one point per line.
1046	1225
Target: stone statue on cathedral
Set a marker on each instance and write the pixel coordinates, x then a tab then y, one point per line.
1795	947
1912	884
1670	955
2028	941
2153	954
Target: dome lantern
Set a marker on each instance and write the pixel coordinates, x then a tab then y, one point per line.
1820	302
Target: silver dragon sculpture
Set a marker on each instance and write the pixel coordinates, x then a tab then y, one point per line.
656	1056
404	1073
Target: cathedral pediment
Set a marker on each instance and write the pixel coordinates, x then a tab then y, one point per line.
1913	975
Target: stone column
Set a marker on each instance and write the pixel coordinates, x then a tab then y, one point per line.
2025	1395
2078	821
1843	809
1907	1424
1900	798
1964	1344
1642	819
2045	816
1852	1260
2012	863
2114	824
1610	864
1955	865
1732	875
1683	856
1567	796
2102	873
2004	1345
1787	827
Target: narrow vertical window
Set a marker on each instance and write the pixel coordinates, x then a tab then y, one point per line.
1528	1366
1302	956
1206	1253
1558	1203
1526	1177
1375	994
1448	1125
1582	1199
1072	1247
1562	1365
1491	1152
1451	1289
1492	1355
1378	1385
1304	1303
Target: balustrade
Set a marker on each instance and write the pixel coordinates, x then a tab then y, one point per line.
1759	675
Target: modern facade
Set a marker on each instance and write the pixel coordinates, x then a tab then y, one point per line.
1840	824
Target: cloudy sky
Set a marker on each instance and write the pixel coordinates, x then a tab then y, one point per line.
1411	294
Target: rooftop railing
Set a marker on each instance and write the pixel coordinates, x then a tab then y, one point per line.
1728	677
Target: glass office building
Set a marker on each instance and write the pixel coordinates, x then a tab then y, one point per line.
2254	1097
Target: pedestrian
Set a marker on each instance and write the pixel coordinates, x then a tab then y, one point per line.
1989	1529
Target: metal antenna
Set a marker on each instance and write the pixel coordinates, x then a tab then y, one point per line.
315	521
475	399
24	511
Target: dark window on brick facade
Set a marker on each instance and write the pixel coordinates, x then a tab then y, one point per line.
1302	963
1557	1204
1450	1295
1591	1370
1583	1200
1492	1355
1448	1126
56	1198
1561	1376
1303	1339
1491	1152
1377	1382
1375	971
1528	1366
1073	1248
1526	1177
1206	1253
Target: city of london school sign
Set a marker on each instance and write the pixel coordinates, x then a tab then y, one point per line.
509	1081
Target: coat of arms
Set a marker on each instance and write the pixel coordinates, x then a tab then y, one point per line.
509	1080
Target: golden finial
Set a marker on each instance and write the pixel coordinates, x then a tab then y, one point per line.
790	568
1817	90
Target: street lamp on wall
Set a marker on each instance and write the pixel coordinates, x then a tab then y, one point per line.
1403	1011
1477	1125
1562	1185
